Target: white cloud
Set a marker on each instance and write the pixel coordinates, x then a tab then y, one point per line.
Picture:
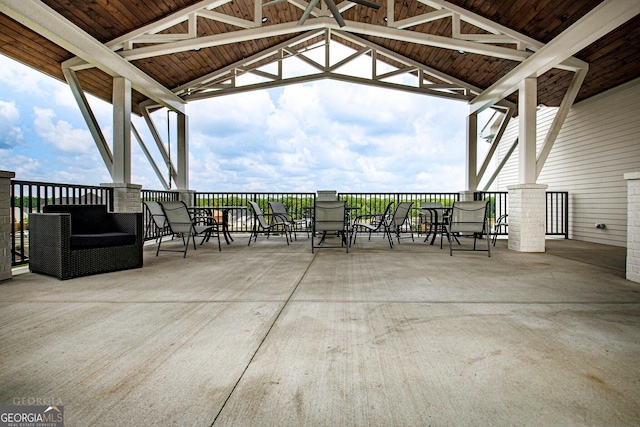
318	135
10	132
61	134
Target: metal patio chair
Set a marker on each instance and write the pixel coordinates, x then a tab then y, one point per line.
374	223
501	226
400	218
469	218
280	211
181	223
330	217
157	224
268	223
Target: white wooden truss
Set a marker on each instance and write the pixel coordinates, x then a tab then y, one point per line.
323	23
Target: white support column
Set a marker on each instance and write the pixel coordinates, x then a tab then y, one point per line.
182	180
633	226
6	256
471	169
527	104
121	130
527	201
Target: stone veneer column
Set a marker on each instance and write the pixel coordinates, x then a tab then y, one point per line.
527	206
186	196
466	196
633	226
126	197
5	224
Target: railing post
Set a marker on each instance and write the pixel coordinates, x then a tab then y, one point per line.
6	225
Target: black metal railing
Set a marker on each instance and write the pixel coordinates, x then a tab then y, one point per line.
28	197
557	210
498	207
375	203
299	205
557	214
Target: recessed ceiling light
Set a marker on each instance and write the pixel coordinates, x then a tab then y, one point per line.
385	19
462	52
264	19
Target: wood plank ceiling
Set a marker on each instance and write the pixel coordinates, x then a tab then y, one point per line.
612	60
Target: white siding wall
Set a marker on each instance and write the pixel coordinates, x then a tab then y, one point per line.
599	142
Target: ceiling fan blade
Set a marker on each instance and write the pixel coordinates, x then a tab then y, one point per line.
307	11
367	3
335	12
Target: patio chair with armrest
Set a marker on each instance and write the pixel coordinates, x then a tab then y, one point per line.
181	223
373	223
330	217
469	218
268	223
279	211
501	226
400	218
157	225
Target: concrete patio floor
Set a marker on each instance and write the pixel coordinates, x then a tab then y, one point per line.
272	335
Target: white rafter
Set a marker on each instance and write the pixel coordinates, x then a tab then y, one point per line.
429	81
491	44
50	24
601	20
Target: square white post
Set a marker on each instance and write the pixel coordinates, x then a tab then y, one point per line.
633	226
471	158
121	130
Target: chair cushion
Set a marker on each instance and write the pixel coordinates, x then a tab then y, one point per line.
101	240
86	219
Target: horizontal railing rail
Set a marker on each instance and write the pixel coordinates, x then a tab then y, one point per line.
28	197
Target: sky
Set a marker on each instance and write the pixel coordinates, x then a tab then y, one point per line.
322	135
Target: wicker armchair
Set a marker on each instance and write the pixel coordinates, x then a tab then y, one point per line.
68	241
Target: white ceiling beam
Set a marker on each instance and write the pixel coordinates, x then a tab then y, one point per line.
166	22
482	22
90	119
228	19
45	21
406	61
558	120
254	58
604	18
420	19
325	23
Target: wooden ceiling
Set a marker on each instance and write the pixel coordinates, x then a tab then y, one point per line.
612	60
